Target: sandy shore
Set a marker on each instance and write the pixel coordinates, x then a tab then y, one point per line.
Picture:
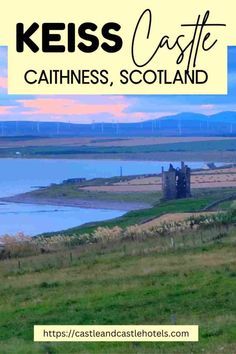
75	202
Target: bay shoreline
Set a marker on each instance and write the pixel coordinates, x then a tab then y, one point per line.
76	202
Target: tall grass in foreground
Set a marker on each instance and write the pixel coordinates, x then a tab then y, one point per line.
168	236
131	246
168	233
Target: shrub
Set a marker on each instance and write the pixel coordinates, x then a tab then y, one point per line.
107	234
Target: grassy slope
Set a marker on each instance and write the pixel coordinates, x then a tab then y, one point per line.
201	199
140	216
123	283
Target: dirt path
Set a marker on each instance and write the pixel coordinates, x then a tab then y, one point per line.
173	217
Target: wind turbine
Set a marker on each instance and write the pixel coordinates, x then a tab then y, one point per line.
180	127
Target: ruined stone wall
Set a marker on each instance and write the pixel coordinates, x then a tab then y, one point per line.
169	185
176	183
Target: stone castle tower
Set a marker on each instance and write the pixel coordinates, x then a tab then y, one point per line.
176	183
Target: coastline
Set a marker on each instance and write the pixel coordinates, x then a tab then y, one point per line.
76	202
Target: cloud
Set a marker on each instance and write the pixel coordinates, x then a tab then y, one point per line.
5	110
69	107
114	109
3	82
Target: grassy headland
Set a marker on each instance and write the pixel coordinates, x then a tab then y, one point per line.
141	206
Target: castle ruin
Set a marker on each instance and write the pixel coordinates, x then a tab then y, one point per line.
176	182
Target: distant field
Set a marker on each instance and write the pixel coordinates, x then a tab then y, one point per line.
102	142
207	145
156	141
209	149
201	179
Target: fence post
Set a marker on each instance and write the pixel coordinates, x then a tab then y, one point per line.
172	241
124	249
183	238
173	319
201	237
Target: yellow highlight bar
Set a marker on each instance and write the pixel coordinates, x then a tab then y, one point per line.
116	333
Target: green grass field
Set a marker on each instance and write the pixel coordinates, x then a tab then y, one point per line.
125	282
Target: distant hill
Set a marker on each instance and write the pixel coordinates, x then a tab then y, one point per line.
183	124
